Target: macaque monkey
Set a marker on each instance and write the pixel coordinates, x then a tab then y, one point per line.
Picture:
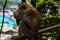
30	20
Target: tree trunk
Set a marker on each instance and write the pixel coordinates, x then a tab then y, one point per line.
33	2
23	0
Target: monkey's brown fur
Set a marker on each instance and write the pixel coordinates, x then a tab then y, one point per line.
30	19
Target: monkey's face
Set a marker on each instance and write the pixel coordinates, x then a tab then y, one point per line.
18	14
20	10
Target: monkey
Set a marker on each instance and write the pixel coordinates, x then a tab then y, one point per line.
30	20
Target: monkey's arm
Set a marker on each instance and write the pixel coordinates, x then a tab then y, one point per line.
32	18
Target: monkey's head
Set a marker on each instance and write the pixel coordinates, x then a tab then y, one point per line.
18	14
30	16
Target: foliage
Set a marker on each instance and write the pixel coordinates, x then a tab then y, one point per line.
47	22
52	19
43	6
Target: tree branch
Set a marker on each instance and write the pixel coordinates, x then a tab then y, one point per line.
49	29
3	15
